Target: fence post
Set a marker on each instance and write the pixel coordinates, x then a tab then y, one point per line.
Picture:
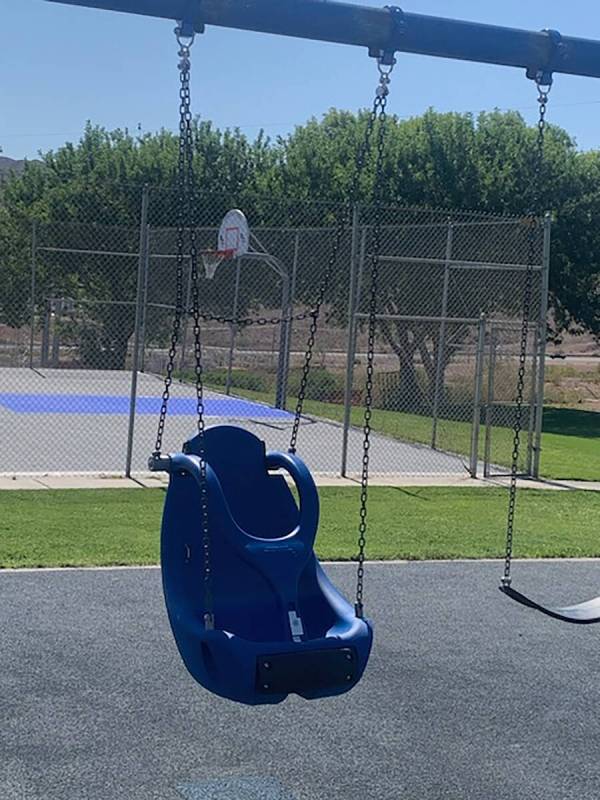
290	325
532	401
55	351
490	402
233	326
285	339
46	329
144	319
185	323
356	263
33	289
479	363
439	370
543	322
138	319
281	368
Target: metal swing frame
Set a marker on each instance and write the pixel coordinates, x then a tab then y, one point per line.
378	29
384	32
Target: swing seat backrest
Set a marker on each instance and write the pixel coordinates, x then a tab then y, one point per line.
238	461
280	625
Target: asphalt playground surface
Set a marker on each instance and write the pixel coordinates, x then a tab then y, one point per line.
467	696
78	421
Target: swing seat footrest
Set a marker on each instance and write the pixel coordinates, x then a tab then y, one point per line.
306	671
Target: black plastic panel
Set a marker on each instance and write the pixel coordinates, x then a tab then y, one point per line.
298	672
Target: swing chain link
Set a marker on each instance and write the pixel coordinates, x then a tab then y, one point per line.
381	115
209	620
186	230
543	96
185	117
377	111
246	322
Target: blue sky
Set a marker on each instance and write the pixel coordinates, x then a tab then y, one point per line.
62	65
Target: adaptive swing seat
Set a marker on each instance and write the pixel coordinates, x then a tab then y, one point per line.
281	627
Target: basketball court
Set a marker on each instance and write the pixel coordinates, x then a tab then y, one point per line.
78	421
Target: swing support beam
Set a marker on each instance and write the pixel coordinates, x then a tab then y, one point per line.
382	31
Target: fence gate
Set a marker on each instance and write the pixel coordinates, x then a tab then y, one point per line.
450	302
499	406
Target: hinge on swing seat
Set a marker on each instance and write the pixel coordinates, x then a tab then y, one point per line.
159	463
209	622
296	626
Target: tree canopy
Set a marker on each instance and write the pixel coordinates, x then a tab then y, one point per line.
454	161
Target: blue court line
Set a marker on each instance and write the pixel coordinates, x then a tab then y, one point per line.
119	404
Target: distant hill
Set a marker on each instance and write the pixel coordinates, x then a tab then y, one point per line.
8	165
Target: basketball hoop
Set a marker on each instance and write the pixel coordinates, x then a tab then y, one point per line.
213	258
233	241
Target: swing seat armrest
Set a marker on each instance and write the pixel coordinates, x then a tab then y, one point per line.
181	462
307	490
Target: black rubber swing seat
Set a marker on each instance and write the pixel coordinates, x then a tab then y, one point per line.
581	614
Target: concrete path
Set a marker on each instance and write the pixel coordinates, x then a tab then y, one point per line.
150	480
467	697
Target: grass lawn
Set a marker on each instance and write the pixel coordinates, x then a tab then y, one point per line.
569	441
121	526
570	444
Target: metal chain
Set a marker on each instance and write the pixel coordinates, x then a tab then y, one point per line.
543	93
380	111
209	619
246	322
185	118
186	230
343	222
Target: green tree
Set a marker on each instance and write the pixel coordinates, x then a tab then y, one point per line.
453	161
75	191
460	162
575	276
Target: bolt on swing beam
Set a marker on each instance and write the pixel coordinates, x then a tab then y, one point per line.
381	30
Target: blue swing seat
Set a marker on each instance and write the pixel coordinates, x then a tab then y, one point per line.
281	626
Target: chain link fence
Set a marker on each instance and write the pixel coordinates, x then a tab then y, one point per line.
450	311
84	344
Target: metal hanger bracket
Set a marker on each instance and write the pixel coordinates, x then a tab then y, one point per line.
543	75
387	56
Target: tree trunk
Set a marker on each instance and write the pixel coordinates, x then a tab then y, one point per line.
103	342
409	395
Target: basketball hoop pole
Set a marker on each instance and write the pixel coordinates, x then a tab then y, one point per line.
380	30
